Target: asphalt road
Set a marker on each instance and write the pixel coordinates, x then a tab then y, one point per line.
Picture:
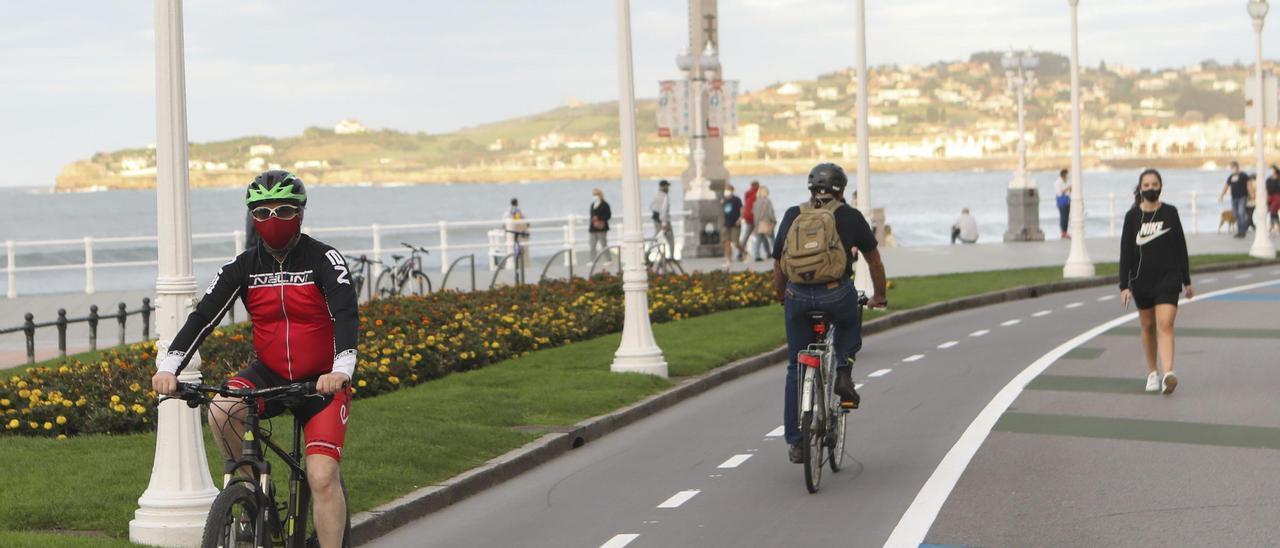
713	471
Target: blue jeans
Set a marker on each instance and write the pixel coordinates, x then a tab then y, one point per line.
841	305
1240	206
764	245
1064	215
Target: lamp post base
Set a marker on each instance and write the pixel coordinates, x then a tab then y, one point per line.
647	361
1024	215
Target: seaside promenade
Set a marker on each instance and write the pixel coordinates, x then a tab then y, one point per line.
899	262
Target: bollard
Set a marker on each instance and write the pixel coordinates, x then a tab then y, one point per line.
146	318
93	327
62	332
120	317
444	247
1195	225
29	329
377	252
1111	214
570	239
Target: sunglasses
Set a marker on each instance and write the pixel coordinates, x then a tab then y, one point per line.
285	212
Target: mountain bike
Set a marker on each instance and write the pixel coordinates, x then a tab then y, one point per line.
823	417
518	253
406	276
247	512
658	260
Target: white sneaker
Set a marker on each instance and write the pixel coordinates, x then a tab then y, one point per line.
1170	382
1153	382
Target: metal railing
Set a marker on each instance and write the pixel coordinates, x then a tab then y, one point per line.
549	234
29	326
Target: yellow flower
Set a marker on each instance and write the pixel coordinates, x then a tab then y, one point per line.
67	403
393	379
4	402
361	383
13	423
81	402
24	394
134	387
62	436
115	399
33	424
383	368
48	425
139	409
61	420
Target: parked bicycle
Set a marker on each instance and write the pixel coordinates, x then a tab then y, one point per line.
823	417
518	253
658	258
248	512
406	277
361	273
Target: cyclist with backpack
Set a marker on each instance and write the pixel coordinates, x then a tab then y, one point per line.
305	327
812	270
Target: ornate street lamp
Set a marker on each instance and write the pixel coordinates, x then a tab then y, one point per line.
1078	263
1023	197
1261	247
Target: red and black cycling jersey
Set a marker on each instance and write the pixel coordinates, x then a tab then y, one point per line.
304	310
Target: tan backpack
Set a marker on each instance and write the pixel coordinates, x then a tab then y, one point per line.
814	253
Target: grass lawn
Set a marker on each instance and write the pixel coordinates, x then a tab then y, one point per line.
421	435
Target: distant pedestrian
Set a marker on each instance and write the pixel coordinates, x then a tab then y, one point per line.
660	210
1154	270
1063	191
731	230
748	214
517	229
965	229
1251	205
1238	184
766	222
1273	197
889	239
599	229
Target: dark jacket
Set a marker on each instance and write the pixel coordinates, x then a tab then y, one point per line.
603	213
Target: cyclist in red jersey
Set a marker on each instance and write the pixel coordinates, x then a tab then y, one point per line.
305	324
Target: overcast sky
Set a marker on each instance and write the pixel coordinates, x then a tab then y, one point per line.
76	76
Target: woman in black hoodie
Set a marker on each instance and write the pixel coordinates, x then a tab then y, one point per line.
1154	271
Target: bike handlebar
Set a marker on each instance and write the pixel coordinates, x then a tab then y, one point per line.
196	393
415	248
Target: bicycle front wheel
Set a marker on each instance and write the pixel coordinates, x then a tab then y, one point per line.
836	453
235	520
386	285
419	284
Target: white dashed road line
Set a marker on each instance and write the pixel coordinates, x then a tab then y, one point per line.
679	498
913	358
948	344
776	432
618	541
880	373
979	332
1246	275
1074	305
1209	280
1106	298
858	386
1042	313
735	461
1010	322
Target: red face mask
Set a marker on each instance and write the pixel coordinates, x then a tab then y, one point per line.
277	232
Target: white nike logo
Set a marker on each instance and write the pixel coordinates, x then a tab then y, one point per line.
1144	240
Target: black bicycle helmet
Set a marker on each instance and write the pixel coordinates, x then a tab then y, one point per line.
827	178
276	186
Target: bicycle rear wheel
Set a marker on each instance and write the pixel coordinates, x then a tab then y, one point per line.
386	285
235	520
836	450
811	436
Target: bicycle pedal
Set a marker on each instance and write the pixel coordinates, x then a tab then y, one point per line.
848	405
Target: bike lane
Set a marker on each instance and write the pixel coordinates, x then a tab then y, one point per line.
713	471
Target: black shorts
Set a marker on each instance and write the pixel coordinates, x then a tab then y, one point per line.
1146	300
324	418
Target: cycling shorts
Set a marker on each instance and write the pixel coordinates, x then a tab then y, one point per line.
324	418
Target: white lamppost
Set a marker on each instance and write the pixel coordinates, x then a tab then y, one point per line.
638	352
1078	263
1262	247
173	508
695	69
862	273
1020	72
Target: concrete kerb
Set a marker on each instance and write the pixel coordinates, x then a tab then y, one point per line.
374	523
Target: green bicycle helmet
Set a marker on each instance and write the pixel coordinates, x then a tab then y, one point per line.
276	186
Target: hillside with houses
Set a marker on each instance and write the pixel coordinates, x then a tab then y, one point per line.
949	114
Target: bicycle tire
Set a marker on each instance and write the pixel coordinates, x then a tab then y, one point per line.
386	285
812	446
224	521
836	451
419	283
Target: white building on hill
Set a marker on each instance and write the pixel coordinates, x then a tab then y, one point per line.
349	127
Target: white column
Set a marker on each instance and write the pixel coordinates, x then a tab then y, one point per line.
377	254
237	242
862	273
1261	247
1195	214
638	352
1111	214
1078	263
444	246
11	267
173	508
88	265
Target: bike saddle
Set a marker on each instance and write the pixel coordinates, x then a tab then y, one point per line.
397	257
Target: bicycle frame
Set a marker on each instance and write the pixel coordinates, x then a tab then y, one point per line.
823	368
252	457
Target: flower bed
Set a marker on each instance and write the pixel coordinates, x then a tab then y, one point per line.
404	341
